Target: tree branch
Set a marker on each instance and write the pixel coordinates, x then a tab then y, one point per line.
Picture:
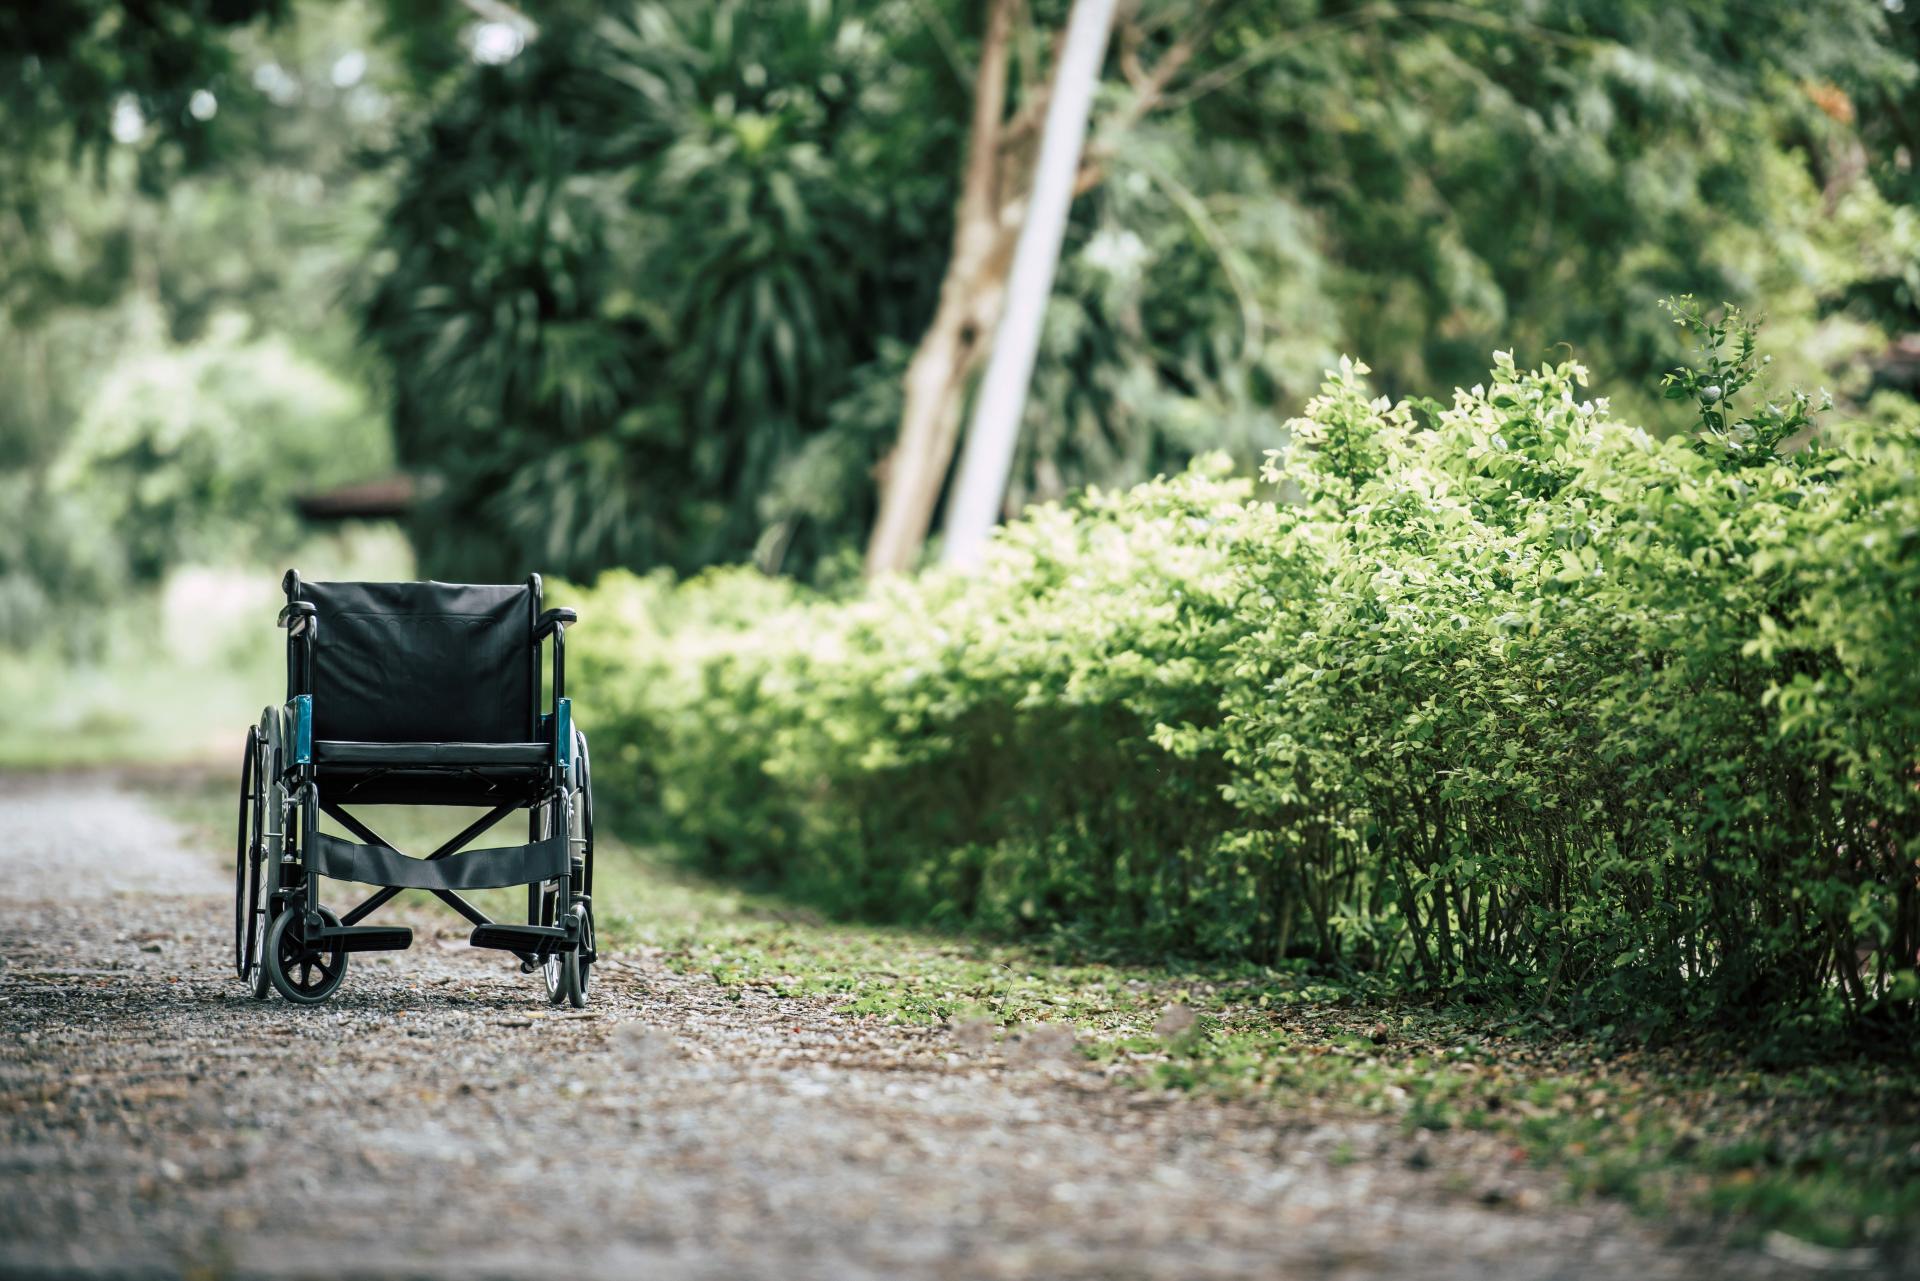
1150	83
1150	93
979	195
1025	123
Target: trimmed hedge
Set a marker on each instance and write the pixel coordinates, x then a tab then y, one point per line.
1502	696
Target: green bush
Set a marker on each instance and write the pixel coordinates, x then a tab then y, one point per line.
1502	697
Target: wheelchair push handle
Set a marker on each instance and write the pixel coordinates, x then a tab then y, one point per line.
552	619
296	614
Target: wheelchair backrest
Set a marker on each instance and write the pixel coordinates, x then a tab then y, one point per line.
423	662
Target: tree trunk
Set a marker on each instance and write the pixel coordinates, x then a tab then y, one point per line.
936	387
912	473
987	221
981	488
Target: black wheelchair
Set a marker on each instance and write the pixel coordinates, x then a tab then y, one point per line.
414	694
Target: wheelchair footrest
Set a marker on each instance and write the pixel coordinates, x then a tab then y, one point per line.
367	938
538	940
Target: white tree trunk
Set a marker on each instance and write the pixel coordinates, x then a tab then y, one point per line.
974	507
911	476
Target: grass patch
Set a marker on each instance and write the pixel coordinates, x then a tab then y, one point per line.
1828	1153
162	711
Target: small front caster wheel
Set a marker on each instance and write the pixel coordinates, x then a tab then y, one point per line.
569	975
304	974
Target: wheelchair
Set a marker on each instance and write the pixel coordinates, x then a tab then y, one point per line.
419	693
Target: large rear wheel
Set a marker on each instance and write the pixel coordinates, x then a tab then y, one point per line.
582	847
252	869
569	975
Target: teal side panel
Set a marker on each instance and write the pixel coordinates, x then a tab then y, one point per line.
303	729
563	734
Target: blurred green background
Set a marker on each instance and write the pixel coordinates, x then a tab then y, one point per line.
468	289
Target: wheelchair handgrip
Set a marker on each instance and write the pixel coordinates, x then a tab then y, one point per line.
554	617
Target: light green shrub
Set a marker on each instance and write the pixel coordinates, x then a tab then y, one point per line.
1505	697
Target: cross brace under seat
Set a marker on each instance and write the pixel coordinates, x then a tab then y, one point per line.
440	872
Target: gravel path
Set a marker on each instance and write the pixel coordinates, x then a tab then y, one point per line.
437	1120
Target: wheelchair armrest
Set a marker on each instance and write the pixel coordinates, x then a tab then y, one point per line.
301	618
551	619
554	623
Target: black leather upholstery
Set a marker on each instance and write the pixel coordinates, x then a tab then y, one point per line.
420	663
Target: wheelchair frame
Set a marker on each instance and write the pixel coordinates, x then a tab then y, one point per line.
287	941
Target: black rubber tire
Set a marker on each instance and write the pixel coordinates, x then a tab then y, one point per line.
569	975
584	764
252	895
267	870
283	956
584	809
243	850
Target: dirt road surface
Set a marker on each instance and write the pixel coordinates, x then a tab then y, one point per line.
436	1119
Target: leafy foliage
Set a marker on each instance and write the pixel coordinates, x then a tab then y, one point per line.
635	268
79	74
190	449
1515	700
651	284
170	324
1475	168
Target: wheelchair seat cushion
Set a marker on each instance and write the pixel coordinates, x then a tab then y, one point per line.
423	664
429	755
